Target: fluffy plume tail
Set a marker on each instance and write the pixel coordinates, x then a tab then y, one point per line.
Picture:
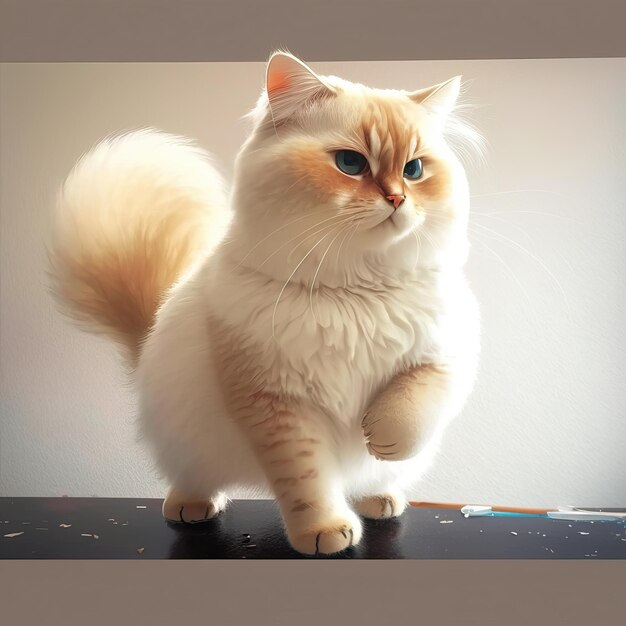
133	216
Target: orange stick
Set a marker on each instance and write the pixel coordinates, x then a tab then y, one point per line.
504	509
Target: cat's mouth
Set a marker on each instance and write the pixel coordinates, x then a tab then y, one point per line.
396	220
400	221
388	221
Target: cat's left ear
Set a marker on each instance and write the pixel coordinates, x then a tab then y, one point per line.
439	99
290	83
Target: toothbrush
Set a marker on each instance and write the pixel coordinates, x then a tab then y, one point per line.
475	510
563	513
495	509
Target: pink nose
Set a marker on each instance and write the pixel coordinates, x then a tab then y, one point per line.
396	200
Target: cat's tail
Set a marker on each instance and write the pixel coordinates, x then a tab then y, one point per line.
135	213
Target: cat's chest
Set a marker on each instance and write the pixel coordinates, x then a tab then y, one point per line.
340	349
337	346
358	328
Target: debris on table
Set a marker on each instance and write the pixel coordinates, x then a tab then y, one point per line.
513	532
65	525
11	535
141	506
140	550
446	521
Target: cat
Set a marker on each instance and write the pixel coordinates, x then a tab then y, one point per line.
310	333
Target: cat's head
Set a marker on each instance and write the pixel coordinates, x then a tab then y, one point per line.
339	177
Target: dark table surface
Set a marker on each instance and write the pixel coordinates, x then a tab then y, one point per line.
129	528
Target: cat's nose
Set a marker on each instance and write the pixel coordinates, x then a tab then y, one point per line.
396	199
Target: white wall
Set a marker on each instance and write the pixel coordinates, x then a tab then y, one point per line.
546	424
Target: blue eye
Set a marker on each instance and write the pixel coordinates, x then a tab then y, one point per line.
413	169
350	162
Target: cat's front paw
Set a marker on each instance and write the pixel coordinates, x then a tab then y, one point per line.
392	433
327	536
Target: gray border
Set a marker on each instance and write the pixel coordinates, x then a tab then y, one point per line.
288	593
337	592
317	30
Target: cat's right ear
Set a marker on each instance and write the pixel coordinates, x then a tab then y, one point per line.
289	83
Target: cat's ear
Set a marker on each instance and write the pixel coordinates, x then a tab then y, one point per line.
439	99
289	83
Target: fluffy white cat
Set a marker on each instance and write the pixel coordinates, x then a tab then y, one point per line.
312	334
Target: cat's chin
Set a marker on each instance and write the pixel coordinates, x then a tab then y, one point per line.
399	225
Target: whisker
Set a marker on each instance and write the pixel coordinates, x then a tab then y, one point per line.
341	219
333	217
319	267
429	239
510	271
356	227
509	223
502	193
537	260
289	279
297	181
299	219
524	212
417	248
347	232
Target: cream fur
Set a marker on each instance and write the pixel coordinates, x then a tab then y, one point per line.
366	304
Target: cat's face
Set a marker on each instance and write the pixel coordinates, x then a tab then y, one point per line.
336	172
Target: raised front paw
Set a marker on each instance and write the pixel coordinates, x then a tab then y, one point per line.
392	433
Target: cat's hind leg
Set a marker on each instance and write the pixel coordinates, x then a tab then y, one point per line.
184	506
384	505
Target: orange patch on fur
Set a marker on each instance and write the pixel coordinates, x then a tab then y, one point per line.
313	168
436	186
301	507
288	482
118	287
274	444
